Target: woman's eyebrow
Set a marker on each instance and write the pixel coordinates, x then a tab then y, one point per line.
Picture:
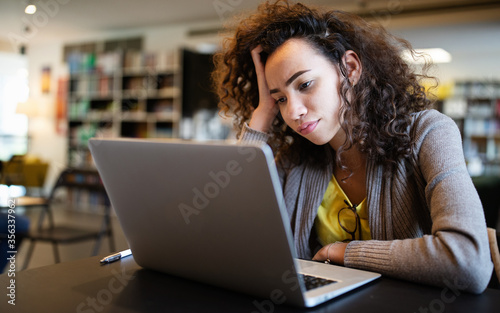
289	81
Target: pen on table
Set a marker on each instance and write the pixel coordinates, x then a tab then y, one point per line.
116	256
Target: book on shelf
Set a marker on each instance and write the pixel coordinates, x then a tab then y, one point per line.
86	62
158	61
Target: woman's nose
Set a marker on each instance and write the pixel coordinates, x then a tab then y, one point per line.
296	109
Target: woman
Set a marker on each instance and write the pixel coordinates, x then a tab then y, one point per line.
372	178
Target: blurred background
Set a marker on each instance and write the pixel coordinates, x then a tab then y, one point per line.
71	70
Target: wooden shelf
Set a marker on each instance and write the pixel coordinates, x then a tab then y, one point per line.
481	121
138	95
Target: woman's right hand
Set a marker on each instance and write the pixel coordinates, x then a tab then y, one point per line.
265	113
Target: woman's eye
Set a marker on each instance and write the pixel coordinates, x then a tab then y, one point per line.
304	85
280	100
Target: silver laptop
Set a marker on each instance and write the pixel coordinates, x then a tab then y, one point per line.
214	213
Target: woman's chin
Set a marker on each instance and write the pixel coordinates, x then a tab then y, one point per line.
318	141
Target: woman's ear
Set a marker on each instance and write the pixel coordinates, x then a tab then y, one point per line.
353	66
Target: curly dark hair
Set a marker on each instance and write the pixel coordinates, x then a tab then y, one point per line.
376	115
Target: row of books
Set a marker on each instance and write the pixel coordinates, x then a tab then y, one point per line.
477	89
482	127
159	61
95	85
79	158
99	85
484	109
80	135
162	112
483	150
459	107
84	109
109	62
81	62
81	178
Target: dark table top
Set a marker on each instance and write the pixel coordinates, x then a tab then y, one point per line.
87	286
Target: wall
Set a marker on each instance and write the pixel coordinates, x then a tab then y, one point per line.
475	49
13	90
46	143
5	46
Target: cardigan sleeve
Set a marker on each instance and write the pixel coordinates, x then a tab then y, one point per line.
251	135
455	253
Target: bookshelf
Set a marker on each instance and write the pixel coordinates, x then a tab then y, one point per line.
85	190
121	94
475	106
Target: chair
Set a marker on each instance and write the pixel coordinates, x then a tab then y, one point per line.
487	188
24	170
78	183
12	171
495	254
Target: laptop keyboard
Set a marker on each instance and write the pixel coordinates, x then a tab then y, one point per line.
312	282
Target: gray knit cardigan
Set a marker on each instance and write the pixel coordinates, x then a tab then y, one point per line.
426	220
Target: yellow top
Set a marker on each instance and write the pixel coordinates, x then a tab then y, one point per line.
326	222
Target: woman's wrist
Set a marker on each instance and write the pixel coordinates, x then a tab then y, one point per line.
262	119
339	251
332	253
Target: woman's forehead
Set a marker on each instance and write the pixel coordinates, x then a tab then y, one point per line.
292	56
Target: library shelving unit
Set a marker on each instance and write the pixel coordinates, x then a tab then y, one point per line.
121	94
475	106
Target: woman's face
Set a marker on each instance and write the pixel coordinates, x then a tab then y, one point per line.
305	85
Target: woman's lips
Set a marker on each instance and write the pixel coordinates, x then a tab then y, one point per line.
307	128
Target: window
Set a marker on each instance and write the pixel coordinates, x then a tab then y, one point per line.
13	89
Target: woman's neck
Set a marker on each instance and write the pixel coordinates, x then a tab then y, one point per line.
351	174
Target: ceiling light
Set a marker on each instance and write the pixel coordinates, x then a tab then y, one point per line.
30	9
434	55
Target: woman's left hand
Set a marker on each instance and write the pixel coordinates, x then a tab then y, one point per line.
333	252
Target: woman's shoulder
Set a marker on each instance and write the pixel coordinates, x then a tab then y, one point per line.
427	120
435	128
430	116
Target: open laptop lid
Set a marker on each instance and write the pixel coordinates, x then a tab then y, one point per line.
210	212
